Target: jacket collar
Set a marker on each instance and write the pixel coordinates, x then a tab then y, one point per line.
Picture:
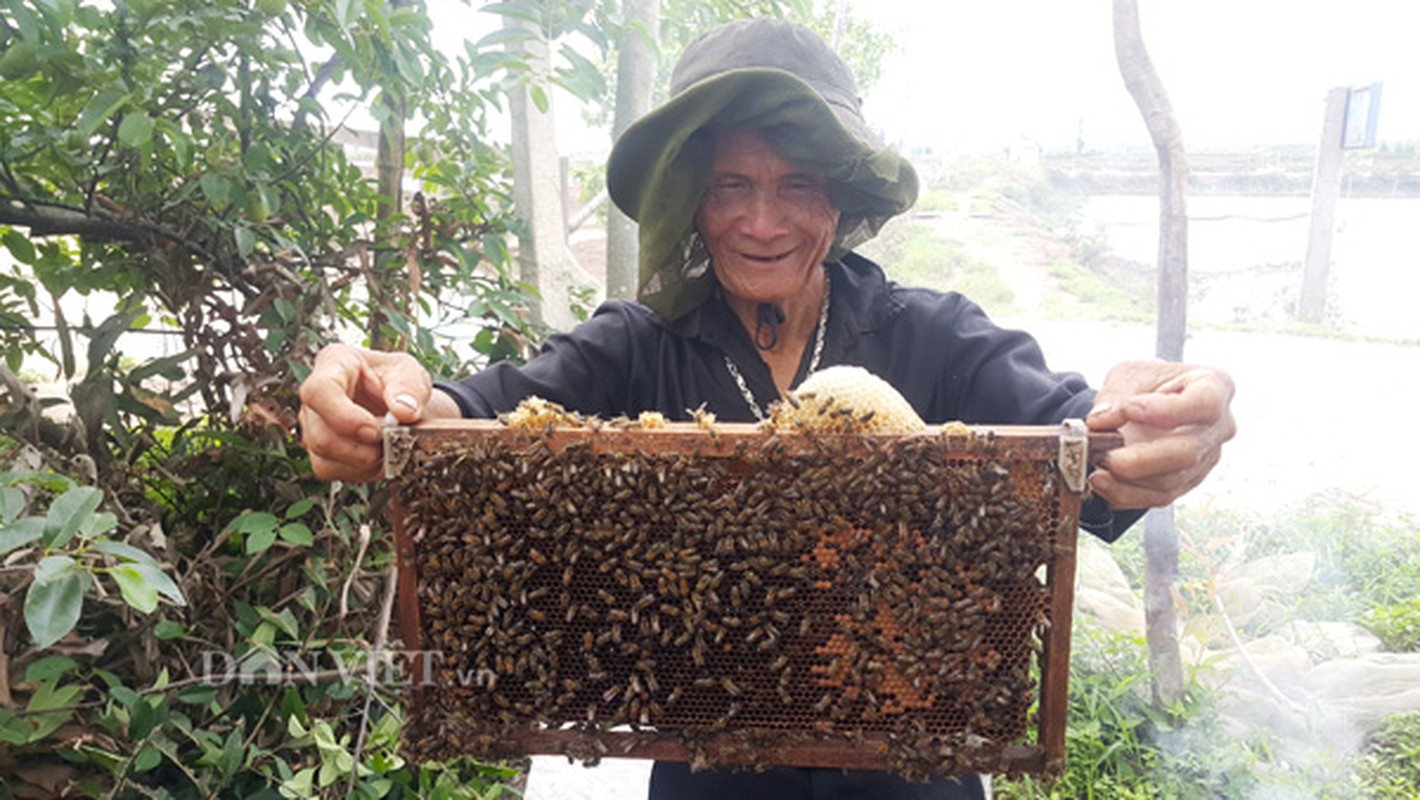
861	302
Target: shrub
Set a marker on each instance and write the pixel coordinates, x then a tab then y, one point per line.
1397	625
1118	745
1390	770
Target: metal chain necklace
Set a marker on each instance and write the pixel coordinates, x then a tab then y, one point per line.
813	359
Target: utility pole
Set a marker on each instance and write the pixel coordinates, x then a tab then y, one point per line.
1326	189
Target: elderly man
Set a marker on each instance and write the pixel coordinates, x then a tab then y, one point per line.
752	184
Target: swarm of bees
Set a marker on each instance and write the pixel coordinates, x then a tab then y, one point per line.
797	588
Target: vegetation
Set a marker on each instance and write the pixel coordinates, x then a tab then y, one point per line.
186	612
1391	768
1119	745
915	255
1365	564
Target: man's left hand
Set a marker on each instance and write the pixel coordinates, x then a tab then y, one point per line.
1175	419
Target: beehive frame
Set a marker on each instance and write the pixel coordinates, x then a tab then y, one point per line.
734	597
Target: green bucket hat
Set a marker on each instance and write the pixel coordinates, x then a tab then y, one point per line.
780	79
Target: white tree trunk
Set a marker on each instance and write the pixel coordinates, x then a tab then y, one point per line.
544	259
1160	534
635	75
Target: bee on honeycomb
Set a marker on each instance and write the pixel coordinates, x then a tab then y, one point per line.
846	399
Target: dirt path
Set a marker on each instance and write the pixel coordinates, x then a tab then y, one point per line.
1018	255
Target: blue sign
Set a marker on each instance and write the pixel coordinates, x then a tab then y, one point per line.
1363	107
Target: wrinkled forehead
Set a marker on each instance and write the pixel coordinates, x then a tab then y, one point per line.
750	151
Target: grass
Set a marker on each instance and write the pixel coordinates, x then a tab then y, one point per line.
1366	564
1120	746
913	254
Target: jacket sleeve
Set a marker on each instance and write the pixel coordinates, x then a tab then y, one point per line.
585	370
994	375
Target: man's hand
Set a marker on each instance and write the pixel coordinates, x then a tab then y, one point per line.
1175	419
344	401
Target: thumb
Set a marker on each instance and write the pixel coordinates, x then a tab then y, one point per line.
402	383
1107	414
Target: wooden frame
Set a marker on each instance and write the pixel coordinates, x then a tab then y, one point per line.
819	743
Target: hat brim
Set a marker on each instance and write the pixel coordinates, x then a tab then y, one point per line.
751	98
659	167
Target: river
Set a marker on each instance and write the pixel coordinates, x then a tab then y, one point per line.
1245	256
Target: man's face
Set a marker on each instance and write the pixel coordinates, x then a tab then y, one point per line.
767	223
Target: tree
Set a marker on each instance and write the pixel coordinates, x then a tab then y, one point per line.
546	262
635	80
184	165
1160	534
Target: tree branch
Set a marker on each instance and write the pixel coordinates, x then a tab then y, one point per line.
44	218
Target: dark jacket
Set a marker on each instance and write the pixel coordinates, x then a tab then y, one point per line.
938	349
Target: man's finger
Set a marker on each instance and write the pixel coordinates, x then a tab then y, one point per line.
336	457
402	383
1200	398
1155	489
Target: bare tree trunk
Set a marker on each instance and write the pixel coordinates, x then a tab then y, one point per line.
635	75
389	174
1160	534
544	259
840	21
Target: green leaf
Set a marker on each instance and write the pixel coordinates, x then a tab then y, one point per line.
197	695
296	533
147	758
135	588
141	719
125	696
285	621
48	481
216	188
232	753
68	513
13	729
50	696
160	581
99	108
252	521
19	246
49	668
260	541
45	724
168	630
54	599
300	507
246	240
136	130
124	551
98	524
302	784
20	533
179	142
539	98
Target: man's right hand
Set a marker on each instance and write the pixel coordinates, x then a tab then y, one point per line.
344	401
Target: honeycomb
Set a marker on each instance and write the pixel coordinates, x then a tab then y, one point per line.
734	597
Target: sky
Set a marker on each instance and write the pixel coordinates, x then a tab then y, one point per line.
1238	72
975	75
